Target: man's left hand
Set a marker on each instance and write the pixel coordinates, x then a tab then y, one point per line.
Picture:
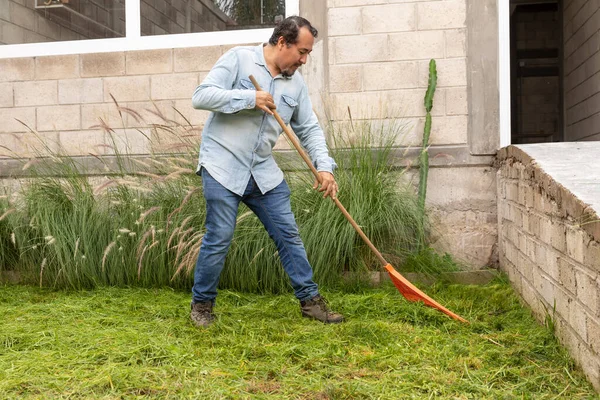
328	184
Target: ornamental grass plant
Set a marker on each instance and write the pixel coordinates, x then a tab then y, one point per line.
140	223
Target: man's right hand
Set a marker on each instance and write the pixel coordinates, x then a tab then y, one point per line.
264	101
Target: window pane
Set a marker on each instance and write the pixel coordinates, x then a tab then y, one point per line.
159	17
32	21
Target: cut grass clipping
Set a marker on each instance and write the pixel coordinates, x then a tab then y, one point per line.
129	343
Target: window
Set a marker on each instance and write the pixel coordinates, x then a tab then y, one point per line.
60	20
52	27
159	17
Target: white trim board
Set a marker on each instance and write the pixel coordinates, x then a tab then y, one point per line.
504	72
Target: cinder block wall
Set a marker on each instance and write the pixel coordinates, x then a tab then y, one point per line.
581	66
65	98
371	56
378	68
549	247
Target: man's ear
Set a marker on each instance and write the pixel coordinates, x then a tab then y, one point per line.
281	42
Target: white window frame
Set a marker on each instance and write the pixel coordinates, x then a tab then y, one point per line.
133	39
504	71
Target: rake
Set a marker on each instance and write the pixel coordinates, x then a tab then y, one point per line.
407	289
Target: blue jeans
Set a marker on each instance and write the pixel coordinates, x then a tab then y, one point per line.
274	211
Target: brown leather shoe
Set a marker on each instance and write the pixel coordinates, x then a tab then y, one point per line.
318	309
202	314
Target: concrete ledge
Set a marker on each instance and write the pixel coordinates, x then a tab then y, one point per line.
439	157
569	173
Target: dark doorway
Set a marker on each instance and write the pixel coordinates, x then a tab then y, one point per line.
536	71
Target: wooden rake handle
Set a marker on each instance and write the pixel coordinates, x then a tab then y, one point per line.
292	137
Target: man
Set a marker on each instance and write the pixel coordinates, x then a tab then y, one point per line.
236	161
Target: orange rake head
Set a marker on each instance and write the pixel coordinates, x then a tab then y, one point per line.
412	293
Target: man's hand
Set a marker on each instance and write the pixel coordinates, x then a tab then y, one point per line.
264	101
328	184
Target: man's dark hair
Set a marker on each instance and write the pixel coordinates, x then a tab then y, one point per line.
289	28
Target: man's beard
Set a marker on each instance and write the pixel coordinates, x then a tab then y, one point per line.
288	72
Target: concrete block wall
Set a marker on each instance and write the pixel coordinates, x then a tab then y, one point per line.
378	59
65	100
582	63
371	56
549	245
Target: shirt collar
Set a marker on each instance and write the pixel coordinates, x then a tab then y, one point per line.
259	59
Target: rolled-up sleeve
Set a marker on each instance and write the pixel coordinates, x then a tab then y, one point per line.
216	92
305	124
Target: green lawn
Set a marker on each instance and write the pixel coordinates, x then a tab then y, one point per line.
139	343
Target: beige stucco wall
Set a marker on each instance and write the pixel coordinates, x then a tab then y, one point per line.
581	65
371	56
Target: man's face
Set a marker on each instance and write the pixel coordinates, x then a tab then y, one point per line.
292	56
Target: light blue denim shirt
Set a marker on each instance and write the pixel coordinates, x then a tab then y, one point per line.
237	140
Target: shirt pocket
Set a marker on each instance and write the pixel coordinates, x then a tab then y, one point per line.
286	108
245	84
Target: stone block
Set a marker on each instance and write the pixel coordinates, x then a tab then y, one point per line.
192	116
450	72
363	105
346	78
57	67
5	10
80	91
591	256
441	15
91	114
456	101
40	144
36	93
416	45
102	64
12	34
512	190
456	43
48	28
546	229
558	238
196	58
576	239
22	16
344	21
359	49
146	113
6	94
130	88
76	143
352	3
149	62
590	364
130	141
17	69
10	118
389	76
173	86
545	288
389	18
566	271
58	118
577	319
588	291
447	130
593	330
